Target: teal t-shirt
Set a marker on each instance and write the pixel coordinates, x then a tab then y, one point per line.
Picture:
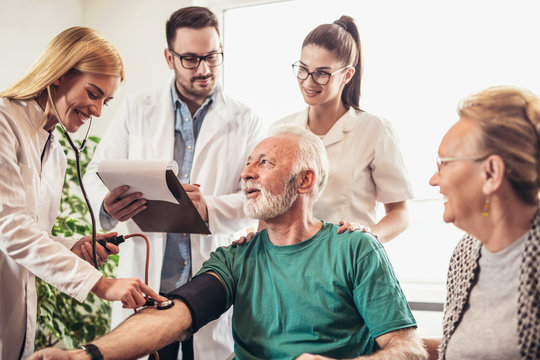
330	295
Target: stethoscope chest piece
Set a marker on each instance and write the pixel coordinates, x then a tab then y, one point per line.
164	305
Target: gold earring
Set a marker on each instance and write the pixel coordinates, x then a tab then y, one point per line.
485	213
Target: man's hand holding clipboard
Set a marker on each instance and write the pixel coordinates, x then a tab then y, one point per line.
193	191
155	199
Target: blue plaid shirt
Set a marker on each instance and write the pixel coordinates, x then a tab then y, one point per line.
176	268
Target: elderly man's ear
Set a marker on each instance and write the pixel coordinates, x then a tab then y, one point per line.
306	181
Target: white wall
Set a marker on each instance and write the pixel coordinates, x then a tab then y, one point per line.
26	26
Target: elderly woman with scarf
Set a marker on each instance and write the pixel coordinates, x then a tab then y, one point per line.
488	172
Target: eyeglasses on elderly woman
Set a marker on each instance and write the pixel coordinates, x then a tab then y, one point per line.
441	160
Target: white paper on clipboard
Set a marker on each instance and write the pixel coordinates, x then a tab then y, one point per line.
144	176
168	207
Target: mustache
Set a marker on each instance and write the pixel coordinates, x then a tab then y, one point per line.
202	77
250	184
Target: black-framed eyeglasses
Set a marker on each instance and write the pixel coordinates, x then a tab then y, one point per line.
193	61
320	77
445	159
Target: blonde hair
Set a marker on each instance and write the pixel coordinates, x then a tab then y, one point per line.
77	48
509	120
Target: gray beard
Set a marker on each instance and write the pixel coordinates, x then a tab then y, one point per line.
268	206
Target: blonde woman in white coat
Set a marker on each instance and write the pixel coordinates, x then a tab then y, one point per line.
366	165
75	76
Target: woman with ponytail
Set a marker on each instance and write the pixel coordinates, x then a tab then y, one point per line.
366	165
488	172
76	75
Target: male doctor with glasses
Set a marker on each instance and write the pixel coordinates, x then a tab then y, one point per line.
210	135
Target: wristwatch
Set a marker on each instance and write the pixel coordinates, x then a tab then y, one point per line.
93	351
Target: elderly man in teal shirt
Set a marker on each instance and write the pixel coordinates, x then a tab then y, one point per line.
299	289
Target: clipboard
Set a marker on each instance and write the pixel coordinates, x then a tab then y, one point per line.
174	212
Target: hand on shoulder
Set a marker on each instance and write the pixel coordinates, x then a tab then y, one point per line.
351	226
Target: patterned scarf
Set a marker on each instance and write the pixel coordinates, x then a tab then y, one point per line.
462	275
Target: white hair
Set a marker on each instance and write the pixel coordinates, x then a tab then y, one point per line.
311	155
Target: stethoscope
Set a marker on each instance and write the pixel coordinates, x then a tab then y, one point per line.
149	302
77	151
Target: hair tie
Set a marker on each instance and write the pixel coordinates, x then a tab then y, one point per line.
341	23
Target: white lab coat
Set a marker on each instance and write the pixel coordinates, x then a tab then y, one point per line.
29	202
144	129
365	167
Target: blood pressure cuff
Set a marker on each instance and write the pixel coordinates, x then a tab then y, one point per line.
205	297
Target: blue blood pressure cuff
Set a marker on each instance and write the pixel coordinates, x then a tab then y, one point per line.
205	298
